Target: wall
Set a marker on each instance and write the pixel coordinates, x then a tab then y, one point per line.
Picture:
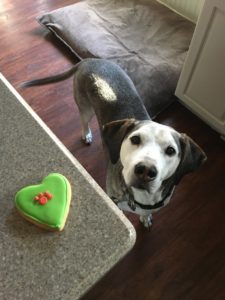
190	9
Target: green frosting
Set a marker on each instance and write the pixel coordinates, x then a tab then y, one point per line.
53	214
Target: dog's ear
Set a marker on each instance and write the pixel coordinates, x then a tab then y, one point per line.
113	134
192	157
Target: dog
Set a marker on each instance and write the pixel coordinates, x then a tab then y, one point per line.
146	160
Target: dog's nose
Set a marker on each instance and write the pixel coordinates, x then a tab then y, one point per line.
145	173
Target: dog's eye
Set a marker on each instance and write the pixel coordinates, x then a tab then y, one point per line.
135	140
170	151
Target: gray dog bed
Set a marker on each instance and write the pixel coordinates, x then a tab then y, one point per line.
146	39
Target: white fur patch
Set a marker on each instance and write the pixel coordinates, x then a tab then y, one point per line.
104	89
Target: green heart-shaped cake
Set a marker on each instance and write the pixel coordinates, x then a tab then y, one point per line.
46	204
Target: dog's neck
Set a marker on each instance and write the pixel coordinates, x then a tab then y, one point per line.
136	200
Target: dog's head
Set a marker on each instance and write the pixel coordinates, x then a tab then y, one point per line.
151	153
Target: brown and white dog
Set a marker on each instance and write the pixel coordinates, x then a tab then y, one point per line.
146	160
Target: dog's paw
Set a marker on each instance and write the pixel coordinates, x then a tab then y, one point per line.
88	138
146	221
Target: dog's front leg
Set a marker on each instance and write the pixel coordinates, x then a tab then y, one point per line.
86	114
87	136
146	220
86	131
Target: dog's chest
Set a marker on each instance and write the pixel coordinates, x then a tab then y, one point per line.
143	203
138	201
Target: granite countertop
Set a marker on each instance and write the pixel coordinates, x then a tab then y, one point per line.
37	264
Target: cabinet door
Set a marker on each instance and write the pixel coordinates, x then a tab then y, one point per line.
201	86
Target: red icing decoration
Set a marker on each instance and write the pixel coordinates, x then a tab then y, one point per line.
43	198
48	195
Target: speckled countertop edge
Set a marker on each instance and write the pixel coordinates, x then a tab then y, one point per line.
76	163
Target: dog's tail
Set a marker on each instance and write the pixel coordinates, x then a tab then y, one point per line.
51	79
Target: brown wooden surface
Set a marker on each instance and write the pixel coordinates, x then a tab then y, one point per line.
183	256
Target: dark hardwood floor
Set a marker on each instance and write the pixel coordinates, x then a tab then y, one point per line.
183	256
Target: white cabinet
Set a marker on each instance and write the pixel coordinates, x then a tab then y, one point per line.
201	86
